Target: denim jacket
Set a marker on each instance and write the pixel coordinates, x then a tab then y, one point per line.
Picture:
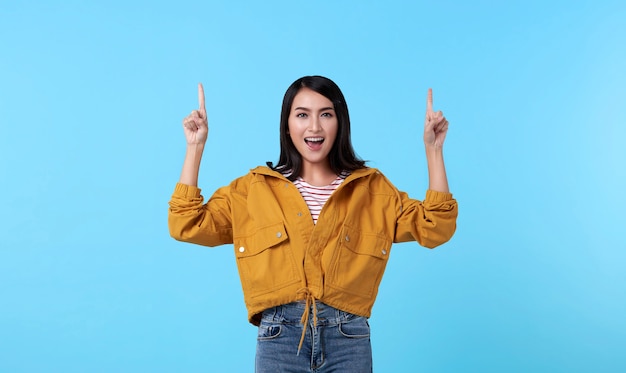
282	256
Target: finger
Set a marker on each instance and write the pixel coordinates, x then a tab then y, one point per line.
201	97
191	122
196	115
429	101
443	127
188	124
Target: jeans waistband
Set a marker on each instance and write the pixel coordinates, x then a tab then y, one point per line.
292	313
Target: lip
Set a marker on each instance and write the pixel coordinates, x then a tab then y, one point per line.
314	145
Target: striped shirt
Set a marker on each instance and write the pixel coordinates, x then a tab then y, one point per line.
316	196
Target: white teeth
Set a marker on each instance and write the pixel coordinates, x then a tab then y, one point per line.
314	139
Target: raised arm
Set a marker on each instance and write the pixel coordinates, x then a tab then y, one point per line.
196	129
435	129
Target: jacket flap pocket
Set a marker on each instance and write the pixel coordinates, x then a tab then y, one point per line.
366	243
261	240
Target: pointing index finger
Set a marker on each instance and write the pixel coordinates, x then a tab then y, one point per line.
429	100
201	97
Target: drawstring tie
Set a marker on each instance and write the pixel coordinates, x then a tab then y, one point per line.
310	300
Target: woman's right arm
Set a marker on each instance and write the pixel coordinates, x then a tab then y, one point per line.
196	129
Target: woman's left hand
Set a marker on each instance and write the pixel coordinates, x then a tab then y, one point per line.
435	125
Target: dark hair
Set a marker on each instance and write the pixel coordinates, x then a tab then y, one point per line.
341	156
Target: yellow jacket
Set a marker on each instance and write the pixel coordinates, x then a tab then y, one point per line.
283	257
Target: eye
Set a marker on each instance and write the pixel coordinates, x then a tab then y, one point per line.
327	115
301	115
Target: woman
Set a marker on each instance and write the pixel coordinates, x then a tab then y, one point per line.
313	234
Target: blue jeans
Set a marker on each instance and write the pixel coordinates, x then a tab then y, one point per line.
340	342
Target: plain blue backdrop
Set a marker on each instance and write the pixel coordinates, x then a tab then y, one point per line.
92	95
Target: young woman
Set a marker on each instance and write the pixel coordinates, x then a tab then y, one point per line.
312	235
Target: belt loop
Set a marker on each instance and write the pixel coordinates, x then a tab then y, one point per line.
280	313
269	314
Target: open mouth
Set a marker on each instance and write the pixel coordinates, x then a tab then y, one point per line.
314	141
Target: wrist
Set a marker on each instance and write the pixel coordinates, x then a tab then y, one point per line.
433	150
195	147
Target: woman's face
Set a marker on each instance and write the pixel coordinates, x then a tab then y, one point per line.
312	127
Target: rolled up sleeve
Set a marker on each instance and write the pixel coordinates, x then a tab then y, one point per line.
431	222
191	220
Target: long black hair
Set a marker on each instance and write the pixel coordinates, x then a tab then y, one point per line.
341	156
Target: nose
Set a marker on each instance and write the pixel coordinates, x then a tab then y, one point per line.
315	125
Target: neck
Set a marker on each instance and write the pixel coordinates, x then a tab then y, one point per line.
317	174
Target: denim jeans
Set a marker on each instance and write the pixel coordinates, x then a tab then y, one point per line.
340	342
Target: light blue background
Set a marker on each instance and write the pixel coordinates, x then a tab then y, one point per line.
91	102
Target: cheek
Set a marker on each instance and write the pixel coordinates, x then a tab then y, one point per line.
293	134
290	130
333	132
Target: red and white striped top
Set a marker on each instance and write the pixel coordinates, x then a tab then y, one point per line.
316	196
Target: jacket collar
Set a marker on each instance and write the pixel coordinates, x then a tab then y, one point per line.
356	174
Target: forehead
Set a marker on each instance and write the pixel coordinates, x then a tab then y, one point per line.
308	98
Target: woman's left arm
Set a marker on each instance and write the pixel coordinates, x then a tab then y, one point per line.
435	129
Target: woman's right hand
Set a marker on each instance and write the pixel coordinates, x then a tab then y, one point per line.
196	125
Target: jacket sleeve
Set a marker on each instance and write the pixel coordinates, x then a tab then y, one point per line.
190	220
430	223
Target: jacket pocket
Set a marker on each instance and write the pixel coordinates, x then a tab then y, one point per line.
359	262
265	260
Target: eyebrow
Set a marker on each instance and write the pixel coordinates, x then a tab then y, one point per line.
307	109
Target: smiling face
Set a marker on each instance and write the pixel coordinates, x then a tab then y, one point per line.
312	128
